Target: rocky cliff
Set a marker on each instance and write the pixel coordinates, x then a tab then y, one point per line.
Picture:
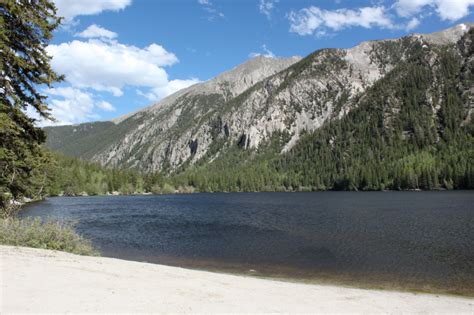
247	105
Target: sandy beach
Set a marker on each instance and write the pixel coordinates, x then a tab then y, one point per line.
35	280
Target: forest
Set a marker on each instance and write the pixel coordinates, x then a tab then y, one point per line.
392	140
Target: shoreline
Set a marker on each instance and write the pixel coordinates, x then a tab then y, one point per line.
245	192
292	275
36	280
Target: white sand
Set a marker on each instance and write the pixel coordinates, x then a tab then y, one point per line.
33	280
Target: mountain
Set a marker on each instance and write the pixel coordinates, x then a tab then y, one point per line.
161	133
339	118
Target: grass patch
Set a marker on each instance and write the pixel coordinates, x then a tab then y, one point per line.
46	235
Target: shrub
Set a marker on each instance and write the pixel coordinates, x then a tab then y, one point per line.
46	235
186	189
168	189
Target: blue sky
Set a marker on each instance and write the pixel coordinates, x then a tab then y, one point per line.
121	55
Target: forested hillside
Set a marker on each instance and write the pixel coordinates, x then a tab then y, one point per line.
412	130
74	177
326	122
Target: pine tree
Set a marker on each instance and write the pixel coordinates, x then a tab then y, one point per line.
26	28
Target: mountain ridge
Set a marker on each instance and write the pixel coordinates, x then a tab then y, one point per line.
445	36
254	70
296	100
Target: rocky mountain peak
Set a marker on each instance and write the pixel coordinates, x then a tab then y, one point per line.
243	76
256	69
228	84
447	36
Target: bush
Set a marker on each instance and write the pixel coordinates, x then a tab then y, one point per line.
46	235
186	189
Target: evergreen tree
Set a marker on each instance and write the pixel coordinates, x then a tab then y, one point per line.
26	28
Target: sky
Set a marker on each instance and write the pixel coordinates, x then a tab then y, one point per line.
122	55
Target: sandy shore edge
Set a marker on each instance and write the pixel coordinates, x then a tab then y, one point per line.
36	280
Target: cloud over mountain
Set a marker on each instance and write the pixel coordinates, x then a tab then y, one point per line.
101	64
314	19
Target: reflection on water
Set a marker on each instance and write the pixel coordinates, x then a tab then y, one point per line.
411	240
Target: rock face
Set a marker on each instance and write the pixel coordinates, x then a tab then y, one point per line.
248	104
178	128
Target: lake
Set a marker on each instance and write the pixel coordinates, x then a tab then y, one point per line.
403	240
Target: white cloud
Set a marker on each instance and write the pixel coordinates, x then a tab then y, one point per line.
173	86
266	53
109	65
406	8
266	7
95	66
69	106
69	9
412	24
210	8
96	31
316	21
451	10
106	106
312	20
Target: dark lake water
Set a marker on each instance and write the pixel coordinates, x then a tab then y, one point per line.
408	240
